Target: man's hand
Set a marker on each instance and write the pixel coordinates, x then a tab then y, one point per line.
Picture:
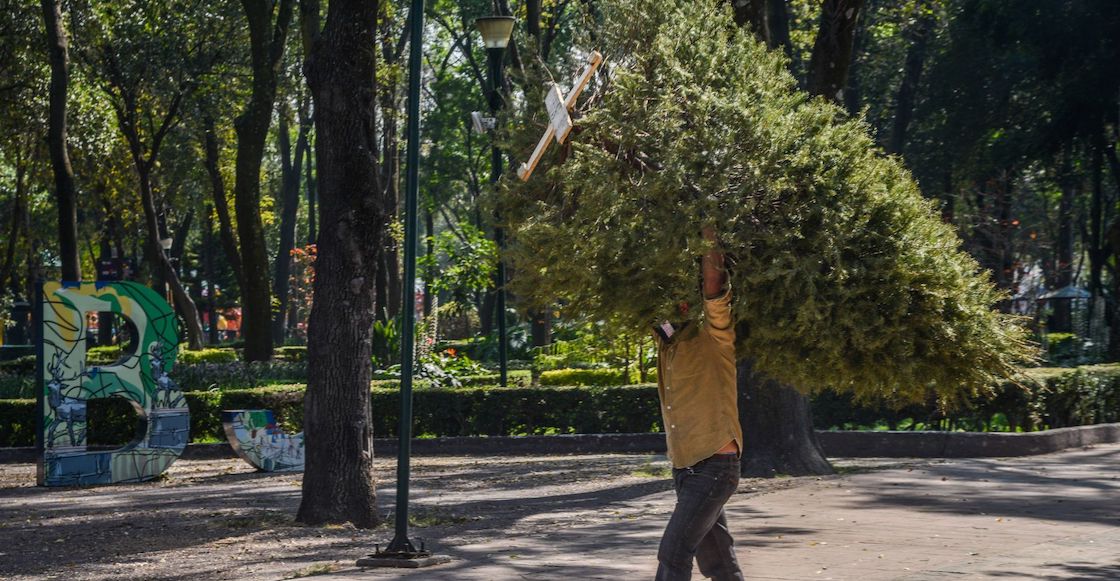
714	273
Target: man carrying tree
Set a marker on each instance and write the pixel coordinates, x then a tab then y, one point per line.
696	383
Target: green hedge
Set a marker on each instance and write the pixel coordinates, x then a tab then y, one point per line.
438	412
217	355
1053	398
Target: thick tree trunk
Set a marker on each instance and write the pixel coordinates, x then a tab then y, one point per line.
266	43
338	484
221	205
777	428
776	419
65	192
832	50
289	194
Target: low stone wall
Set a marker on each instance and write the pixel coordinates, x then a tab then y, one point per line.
835	444
963	444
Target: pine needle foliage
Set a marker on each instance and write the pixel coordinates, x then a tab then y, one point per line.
844	276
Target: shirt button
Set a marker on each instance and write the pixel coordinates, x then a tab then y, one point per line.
668	407
673	426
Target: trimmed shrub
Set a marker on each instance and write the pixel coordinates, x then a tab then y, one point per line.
17	422
218	355
237	374
291	353
604	376
1052	398
19	366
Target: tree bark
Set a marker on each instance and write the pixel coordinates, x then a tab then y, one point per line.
908	88
1062	319
7	272
208	270
832	50
125	107
289	194
338	483
1097	249
777	428
755	15
776	419
778	24
541	327
160	264
266	43
429	251
65	192
221	205
312	213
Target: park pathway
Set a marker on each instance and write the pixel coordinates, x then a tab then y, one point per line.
1045	517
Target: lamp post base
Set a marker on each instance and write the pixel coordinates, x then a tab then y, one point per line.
402	560
402	555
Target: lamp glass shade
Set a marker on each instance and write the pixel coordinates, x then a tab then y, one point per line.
495	30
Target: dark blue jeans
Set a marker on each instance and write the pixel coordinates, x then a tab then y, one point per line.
698	527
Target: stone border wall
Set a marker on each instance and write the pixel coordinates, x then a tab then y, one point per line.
835	444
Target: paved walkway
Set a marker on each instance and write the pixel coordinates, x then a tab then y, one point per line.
1045	517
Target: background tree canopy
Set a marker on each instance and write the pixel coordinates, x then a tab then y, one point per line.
844	276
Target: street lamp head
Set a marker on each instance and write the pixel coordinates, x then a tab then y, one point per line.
495	30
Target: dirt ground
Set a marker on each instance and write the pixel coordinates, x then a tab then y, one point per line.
220	519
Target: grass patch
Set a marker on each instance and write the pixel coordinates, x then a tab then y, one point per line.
312	570
435	518
652	470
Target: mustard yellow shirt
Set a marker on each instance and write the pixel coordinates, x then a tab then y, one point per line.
696	382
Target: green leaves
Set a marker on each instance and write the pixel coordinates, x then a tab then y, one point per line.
844	276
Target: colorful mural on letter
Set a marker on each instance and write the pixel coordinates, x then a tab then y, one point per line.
254	435
140	378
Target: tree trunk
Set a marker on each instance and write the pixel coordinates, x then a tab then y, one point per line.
754	14
266	44
778	24
429	251
289	194
908	89
7	272
161	266
1098	250
338	484
776	419
1062	319
312	213
64	190
105	319
208	272
777	443
832	50
541	327
221	205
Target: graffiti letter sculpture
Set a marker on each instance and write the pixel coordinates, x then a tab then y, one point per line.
140	378
253	434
